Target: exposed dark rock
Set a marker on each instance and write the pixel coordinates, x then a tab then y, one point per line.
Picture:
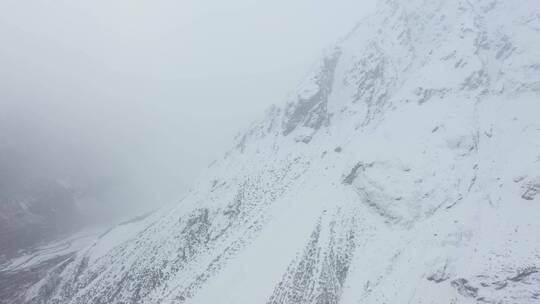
523	273
500	285
464	288
319	276
372	77
476	80
425	95
312	112
506	49
439	276
531	191
349	179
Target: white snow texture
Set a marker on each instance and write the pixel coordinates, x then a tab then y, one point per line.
406	169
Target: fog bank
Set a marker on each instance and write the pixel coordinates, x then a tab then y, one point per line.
127	101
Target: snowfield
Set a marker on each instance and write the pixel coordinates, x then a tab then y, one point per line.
406	169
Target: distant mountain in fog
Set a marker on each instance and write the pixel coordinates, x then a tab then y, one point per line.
34	211
406	169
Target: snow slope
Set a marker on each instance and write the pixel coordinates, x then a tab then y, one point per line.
406	169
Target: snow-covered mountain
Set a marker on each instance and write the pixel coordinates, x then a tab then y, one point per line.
405	169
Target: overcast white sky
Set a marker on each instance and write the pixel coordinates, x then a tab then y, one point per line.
147	93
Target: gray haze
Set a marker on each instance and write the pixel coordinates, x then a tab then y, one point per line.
128	101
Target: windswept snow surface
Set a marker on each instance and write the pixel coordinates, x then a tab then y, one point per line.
406	169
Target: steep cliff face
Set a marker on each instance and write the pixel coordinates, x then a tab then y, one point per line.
405	170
